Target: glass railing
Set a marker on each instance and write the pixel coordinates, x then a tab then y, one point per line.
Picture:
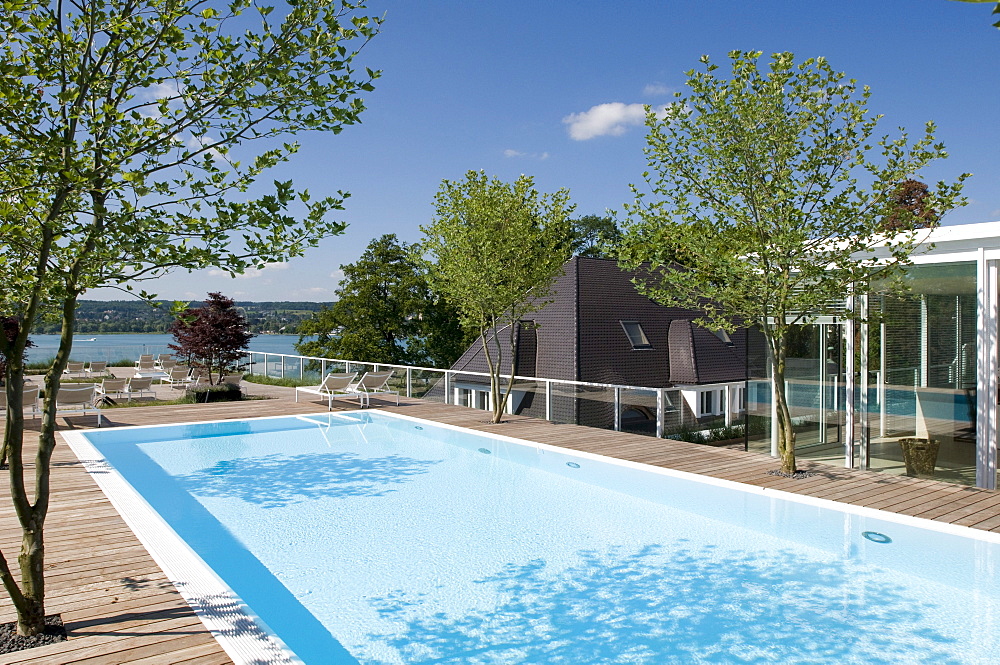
637	409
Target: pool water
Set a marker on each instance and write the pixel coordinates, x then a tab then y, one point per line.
375	538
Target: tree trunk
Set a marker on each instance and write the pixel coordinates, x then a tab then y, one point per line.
31	560
786	435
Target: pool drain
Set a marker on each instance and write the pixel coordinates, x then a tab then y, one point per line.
573	465
877	537
485	451
417	427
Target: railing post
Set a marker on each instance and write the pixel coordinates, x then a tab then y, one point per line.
265	364
409	382
447	387
618	409
727	402
548	400
322	369
661	412
282	356
302	369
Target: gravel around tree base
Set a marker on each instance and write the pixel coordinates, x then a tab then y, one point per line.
11	641
797	475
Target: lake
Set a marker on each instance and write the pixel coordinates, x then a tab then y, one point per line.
88	347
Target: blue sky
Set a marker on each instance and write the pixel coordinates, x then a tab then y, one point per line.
494	85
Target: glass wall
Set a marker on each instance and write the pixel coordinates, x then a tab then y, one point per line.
894	390
921	416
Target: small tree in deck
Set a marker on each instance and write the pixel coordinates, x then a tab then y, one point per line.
213	336
759	215
495	250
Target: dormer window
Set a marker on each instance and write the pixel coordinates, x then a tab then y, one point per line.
724	336
635	334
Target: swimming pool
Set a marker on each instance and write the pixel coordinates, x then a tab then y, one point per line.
376	538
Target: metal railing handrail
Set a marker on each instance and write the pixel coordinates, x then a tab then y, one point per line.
517	377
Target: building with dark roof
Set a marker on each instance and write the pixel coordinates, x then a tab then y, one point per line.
599	329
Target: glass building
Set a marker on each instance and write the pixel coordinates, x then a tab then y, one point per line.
909	385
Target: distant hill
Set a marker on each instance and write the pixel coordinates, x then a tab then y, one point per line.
133	316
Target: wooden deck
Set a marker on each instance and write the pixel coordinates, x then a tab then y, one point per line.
119	607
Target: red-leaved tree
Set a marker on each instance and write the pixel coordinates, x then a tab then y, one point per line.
213	336
11	326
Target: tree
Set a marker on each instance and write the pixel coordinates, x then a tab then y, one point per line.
385	313
595	236
495	249
213	336
757	194
10	327
129	132
909	209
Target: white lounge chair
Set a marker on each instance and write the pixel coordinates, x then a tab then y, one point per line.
146	366
77	399
139	386
111	387
177	377
373	383
333	384
74	368
29	399
97	367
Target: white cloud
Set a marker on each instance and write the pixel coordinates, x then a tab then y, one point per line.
162	90
156	92
197	142
251	273
337	276
526	155
612	119
656	89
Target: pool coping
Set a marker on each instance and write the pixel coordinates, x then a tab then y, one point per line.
246	638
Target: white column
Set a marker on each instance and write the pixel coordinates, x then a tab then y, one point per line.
986	372
661	412
924	344
849	388
882	380
618	409
823	379
863	420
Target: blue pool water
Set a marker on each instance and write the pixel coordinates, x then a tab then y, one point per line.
369	538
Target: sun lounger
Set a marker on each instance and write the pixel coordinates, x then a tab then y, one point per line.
373	383
139	386
77	399
29	399
74	368
110	387
96	367
177	377
333	384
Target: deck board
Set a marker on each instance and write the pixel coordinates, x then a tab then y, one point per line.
120	608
